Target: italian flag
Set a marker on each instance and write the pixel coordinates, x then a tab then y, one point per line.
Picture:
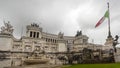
106	15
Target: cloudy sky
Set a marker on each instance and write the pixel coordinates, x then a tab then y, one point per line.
66	16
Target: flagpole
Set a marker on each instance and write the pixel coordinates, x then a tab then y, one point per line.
109	31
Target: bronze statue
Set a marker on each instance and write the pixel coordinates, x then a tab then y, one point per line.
78	33
60	35
115	42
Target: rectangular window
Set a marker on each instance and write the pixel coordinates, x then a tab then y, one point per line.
34	34
37	34
30	33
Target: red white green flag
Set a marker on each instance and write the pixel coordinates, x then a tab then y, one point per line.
106	15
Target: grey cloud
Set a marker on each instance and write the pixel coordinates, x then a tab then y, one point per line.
67	16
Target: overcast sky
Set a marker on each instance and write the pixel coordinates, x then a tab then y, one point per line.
66	16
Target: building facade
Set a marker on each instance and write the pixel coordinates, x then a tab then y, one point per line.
38	41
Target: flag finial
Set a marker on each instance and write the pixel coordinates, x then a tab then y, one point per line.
108	4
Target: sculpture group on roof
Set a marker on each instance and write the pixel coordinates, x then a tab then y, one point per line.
60	35
78	33
7	28
35	25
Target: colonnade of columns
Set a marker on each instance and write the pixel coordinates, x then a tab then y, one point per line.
34	34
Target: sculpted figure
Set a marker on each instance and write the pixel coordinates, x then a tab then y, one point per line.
115	42
78	33
60	35
7	28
